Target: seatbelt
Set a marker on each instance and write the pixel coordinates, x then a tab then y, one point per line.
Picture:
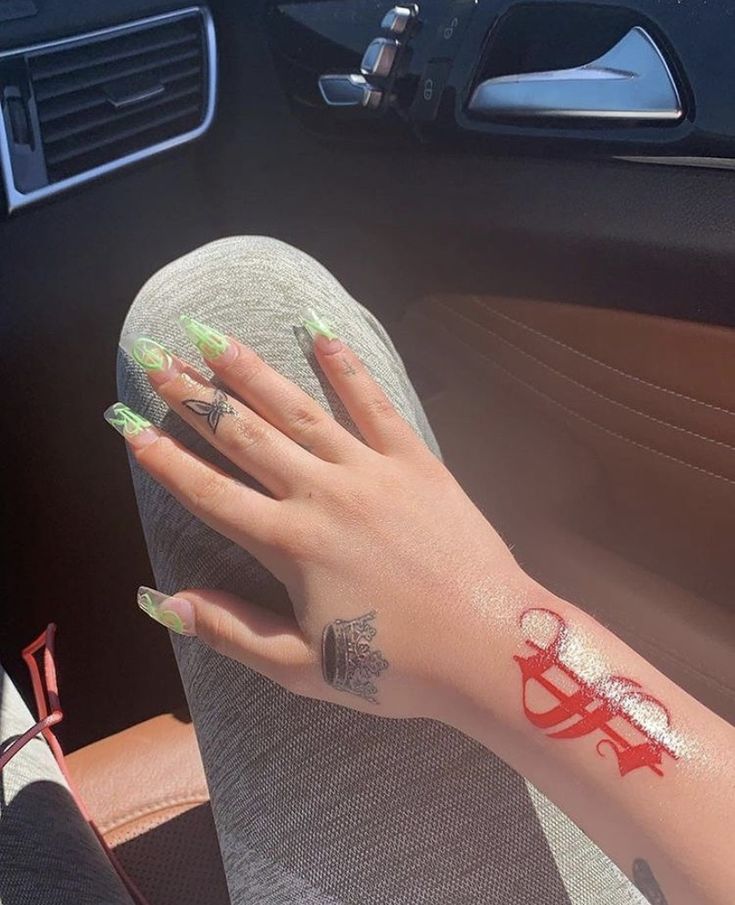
50	713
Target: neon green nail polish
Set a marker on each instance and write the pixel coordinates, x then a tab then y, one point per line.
315	326
175	613
210	342
151	355
125	420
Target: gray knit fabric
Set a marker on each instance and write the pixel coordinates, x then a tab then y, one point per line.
314	803
48	852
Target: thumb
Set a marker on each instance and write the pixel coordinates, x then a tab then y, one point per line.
268	642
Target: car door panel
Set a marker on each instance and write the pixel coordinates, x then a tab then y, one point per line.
610	480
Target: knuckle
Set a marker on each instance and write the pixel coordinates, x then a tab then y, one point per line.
428	465
269	533
296	539
221	634
304	419
285	538
205	490
355	504
380	406
250	432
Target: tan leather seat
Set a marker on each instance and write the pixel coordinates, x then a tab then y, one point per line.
146	792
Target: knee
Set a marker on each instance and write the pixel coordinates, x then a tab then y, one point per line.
242	254
231	280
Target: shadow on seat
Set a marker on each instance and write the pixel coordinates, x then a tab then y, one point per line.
145	789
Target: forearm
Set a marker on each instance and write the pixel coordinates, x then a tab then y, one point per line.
376	544
644	769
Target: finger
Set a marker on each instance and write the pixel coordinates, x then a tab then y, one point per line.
282	403
240	513
268	642
231	427
381	425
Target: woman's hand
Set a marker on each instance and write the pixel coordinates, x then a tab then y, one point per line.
382	553
404	596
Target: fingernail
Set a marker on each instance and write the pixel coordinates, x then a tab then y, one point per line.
175	613
327	346
213	345
136	429
316	326
150	355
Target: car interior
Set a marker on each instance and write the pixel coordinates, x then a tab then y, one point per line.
536	197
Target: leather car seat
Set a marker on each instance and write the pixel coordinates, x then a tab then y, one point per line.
146	792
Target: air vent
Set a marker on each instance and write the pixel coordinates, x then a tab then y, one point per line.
79	108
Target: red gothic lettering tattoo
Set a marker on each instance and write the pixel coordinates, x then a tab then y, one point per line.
581	697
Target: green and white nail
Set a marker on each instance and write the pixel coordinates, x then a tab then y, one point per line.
175	613
210	342
149	354
125	420
315	325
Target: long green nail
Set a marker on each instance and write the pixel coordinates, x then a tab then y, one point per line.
175	613
210	342
126	421
150	354
315	326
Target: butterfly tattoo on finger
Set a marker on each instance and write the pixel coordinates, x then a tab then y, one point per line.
212	411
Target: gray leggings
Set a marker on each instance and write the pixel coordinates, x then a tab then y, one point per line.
314	803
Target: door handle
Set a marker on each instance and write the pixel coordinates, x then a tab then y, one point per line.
630	82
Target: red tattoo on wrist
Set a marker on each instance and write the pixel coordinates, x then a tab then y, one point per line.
566	688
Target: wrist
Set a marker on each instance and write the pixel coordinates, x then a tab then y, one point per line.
480	675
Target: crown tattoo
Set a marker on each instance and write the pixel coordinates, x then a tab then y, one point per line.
348	661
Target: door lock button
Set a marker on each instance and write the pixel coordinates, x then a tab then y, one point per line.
430	89
452	28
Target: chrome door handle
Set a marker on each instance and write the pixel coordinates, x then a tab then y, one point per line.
631	81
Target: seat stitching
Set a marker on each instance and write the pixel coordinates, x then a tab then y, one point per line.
693	668
590	389
151	808
607	430
602	364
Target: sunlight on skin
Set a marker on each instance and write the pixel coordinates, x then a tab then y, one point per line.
437	620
